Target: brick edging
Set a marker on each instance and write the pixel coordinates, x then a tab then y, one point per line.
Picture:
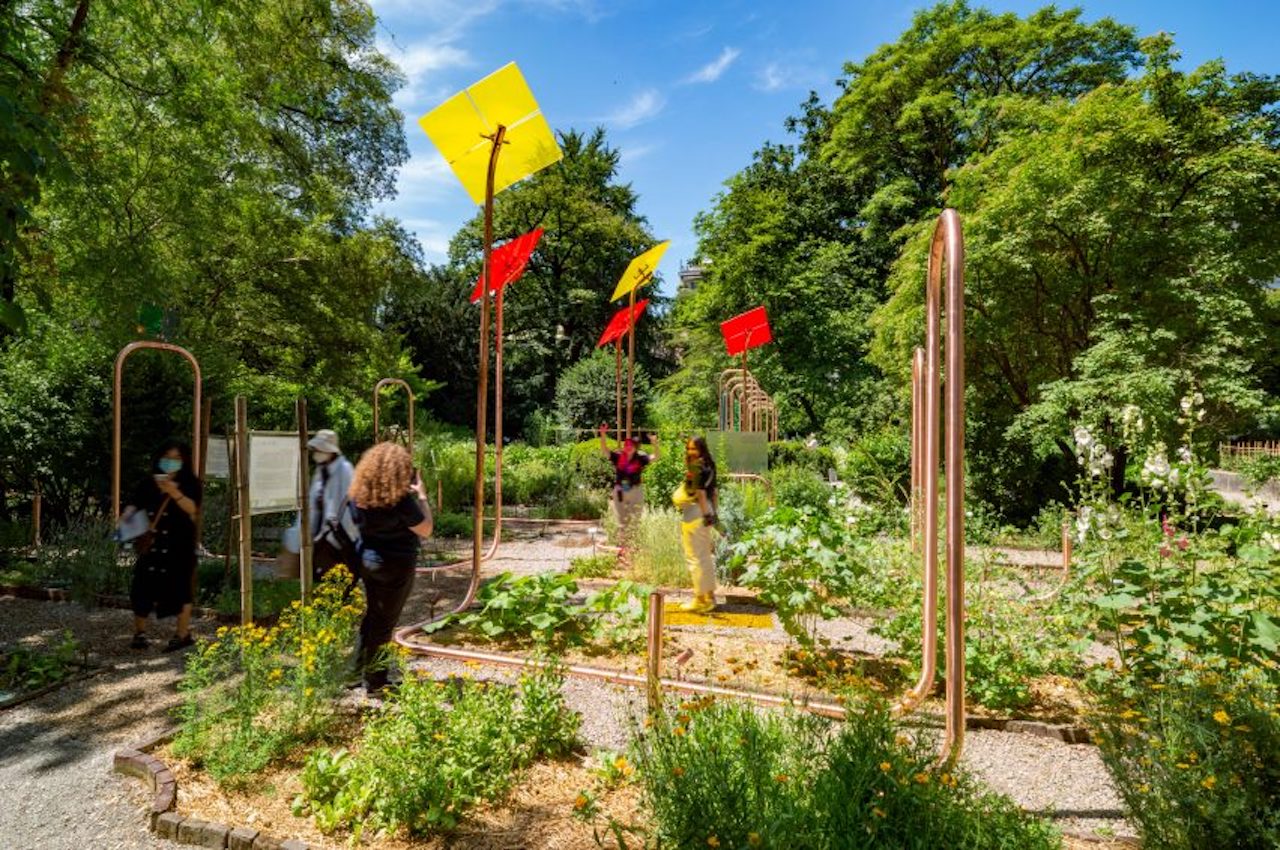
166	822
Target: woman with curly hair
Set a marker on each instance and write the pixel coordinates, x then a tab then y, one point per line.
390	509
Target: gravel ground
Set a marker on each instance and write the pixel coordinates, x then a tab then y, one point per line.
57	789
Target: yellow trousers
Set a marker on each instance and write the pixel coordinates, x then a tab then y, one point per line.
696	537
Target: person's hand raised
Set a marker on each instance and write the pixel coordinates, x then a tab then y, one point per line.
169	487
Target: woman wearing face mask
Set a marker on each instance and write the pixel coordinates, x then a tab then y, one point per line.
162	576
329	485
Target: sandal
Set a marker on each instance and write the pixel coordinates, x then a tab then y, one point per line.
175	643
139	641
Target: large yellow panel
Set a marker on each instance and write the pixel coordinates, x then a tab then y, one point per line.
640	270
503	97
454	127
459	125
673	616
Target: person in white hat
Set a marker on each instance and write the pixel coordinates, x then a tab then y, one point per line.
328	501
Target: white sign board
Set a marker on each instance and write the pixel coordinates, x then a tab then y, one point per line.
273	472
217	458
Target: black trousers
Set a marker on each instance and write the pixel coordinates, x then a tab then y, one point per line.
387	583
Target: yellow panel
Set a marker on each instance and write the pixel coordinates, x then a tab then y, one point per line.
673	616
531	147
454	126
640	270
458	126
503	97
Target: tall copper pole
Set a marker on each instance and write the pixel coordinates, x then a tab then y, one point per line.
948	245
917	444
631	362
117	413
617	389
497	428
482	390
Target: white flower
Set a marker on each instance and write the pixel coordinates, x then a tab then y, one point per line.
1184	454
1083	439
1185	404
1271	539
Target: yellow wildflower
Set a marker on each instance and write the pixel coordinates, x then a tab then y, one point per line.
712	841
1208	782
877	811
885	766
677	771
581	802
922	778
1222	717
781	777
753	838
678	731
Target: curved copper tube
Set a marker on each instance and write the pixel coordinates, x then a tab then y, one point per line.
377	394
917	444
947	244
497	431
117	412
1052	594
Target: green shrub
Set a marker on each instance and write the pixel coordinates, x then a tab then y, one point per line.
879	467
658	558
730	775
433	752
593	566
544	609
23	668
802	562
253	694
270	596
798	487
452	525
1196	756
81	556
818	459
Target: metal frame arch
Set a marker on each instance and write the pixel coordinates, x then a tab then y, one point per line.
117	412
377	394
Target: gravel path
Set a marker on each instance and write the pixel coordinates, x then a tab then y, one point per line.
56	786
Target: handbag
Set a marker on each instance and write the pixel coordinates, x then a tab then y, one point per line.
143	543
336	536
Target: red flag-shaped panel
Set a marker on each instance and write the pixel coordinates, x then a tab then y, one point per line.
750	330
622	322
509	262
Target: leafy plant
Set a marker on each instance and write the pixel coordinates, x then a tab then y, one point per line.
724	774
435	751
798	487
544	608
593	566
802	562
254	693
29	669
1196	756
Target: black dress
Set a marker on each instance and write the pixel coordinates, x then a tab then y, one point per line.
162	578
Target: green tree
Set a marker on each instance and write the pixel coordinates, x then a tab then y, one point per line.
1119	249
586	392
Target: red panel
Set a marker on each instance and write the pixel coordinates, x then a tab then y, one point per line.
509	262
750	330
622	321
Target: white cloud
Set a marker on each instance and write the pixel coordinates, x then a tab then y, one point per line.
777	76
772	77
424	65
713	70
433	235
634	153
643	107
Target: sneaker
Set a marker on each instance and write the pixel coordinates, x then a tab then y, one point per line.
139	641
175	643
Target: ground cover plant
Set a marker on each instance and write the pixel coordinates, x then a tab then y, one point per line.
25	668
548	609
727	774
255	693
436	749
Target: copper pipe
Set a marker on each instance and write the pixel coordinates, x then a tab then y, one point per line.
304	501
1066	568
482	390
617	389
243	517
497	431
631	362
653	667
36	501
947	243
117	413
917	444
377	395
617	677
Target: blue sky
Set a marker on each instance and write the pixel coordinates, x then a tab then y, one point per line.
688	90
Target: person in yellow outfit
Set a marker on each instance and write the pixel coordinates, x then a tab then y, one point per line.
698	500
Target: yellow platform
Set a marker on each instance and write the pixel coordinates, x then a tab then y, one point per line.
673	616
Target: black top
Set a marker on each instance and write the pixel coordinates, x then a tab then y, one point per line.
387	530
627	473
707	480
175	531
